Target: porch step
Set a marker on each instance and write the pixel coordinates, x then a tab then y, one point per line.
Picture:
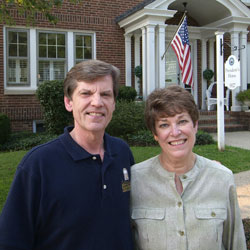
228	128
208	122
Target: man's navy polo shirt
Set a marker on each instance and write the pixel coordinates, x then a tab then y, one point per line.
63	198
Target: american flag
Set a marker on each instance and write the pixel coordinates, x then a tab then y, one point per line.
181	47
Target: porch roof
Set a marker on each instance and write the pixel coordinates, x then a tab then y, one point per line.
206	13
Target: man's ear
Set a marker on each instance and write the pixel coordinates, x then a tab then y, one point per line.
68	104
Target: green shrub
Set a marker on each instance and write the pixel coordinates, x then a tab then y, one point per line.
25	140
138	73
142	138
4	128
208	74
145	138
203	138
243	95
128	119
126	94
51	97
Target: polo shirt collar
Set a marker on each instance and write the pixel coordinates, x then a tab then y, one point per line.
76	151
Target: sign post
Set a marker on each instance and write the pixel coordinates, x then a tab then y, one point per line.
220	90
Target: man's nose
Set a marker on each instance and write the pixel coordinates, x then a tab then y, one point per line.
97	100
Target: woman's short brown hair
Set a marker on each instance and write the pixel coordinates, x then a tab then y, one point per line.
169	102
89	71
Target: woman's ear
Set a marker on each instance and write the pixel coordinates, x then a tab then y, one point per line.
196	127
155	137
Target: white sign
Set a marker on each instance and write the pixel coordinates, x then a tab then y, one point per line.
232	72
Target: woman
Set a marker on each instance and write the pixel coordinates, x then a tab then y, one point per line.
181	200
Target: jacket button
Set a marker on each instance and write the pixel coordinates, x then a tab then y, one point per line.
213	214
181	233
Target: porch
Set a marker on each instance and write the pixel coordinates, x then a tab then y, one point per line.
234	121
149	28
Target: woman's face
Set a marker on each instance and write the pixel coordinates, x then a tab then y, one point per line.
176	135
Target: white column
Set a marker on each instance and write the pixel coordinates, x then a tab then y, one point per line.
203	67
211	54
157	56
235	42
70	49
128	59
137	58
220	90
33	59
150	58
160	51
195	71
144	63
243	59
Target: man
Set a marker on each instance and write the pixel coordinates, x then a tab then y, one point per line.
73	193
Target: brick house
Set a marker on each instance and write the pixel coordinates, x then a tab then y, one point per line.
125	33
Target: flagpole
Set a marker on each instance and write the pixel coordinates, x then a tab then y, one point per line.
174	34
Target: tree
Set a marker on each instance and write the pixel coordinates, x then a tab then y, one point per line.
29	8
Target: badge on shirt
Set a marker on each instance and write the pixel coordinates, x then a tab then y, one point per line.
126	182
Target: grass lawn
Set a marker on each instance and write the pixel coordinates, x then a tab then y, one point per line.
8	164
234	158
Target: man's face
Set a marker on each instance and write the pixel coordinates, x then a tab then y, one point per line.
92	104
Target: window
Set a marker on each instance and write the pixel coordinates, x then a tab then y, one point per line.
51	56
38	126
83	47
33	56
17	58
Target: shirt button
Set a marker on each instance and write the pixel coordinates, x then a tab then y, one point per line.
179	204
94	158
213	214
104	186
181	233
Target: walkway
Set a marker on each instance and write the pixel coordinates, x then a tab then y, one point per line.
242	180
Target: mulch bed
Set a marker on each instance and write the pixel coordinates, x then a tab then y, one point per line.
246	224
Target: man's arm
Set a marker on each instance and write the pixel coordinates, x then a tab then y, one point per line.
18	218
